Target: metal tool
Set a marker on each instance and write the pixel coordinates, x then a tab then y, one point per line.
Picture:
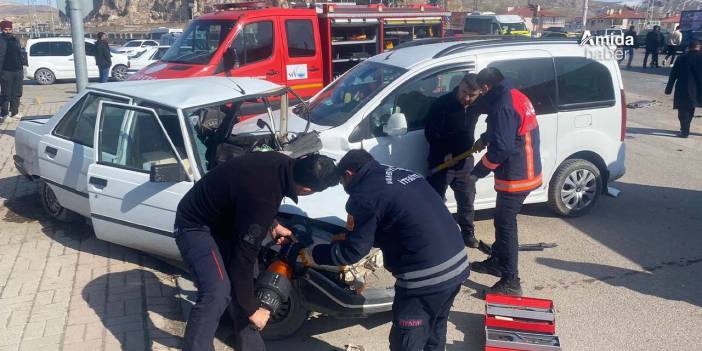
487	248
454	160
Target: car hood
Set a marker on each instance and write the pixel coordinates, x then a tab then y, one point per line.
168	70
296	124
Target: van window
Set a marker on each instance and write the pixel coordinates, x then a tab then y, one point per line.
89	49
300	36
535	78
254	43
40	49
61	48
78	125
415	99
583	83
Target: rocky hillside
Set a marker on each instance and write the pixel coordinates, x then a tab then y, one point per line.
13	9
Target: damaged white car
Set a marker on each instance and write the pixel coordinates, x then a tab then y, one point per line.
153	140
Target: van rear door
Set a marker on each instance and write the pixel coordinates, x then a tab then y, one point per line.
303	54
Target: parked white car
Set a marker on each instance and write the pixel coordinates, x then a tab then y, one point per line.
134	47
146	57
52	58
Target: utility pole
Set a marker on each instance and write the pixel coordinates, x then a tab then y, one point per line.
78	35
584	15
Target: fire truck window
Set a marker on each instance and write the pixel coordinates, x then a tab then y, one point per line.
300	38
254	43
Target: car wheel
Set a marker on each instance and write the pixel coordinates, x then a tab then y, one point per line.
119	73
53	207
575	188
288	319
44	76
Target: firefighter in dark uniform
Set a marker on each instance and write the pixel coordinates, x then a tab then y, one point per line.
219	226
396	210
512	140
450	131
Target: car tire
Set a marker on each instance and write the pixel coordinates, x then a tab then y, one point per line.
289	318
44	76
119	73
52	207
574	188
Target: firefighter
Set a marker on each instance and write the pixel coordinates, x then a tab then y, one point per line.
450	132
397	211
219	226
512	141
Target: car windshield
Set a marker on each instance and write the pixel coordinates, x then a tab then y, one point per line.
341	99
478	25
513	26
199	42
132	44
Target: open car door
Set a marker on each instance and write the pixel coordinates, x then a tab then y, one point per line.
136	180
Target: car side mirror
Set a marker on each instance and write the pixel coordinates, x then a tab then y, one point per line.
396	125
169	173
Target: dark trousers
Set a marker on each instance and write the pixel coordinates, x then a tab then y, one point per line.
685	116
419	323
672	50
630	53
202	256
10	92
654	57
104	74
463	189
506	247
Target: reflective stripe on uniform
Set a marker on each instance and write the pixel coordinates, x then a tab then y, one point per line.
529	151
432	270
415	284
514	186
489	165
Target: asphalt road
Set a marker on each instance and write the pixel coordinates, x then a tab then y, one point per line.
624	277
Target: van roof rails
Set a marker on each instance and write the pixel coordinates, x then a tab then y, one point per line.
467	42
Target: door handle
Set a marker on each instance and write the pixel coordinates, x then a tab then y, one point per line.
51	151
313	69
98	182
271	72
71	60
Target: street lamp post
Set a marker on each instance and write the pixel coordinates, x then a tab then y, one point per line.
78	35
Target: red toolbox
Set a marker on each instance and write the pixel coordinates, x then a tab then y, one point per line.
520	313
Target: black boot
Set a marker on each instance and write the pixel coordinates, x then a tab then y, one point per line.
470	240
490	266
506	287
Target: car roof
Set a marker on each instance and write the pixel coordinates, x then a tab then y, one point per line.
186	93
420	51
37	40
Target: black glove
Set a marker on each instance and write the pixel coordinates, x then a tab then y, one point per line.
290	252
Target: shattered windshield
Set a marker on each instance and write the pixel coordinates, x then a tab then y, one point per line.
341	99
199	42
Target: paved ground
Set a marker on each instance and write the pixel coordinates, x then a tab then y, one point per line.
625	277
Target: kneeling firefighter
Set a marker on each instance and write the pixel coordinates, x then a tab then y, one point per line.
220	224
399	212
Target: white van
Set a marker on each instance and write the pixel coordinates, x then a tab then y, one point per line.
52	58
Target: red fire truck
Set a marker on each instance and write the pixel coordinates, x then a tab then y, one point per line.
302	48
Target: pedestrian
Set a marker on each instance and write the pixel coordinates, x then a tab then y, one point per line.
654	41
450	131
398	211
674	40
686	76
11	72
629	49
512	141
103	57
219	226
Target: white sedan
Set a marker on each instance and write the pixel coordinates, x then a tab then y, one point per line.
146	57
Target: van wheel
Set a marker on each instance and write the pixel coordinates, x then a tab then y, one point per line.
53	207
288	319
575	188
44	76
119	73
